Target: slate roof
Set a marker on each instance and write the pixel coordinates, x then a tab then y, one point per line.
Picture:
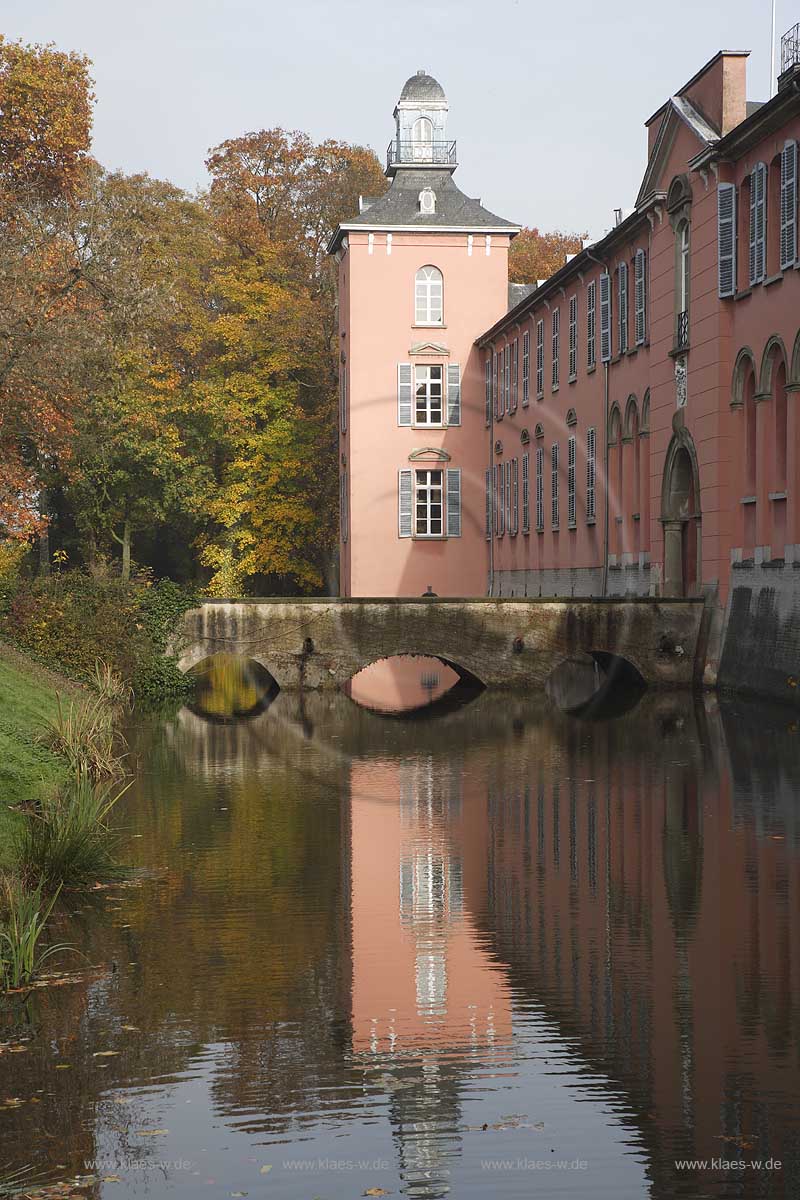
399	207
421	87
518	292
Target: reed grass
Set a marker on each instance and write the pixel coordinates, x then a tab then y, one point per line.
67	841
24	918
84	732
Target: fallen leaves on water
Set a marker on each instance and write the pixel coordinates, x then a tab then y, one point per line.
112	1179
152	1132
265	1170
376	1191
105	1053
131	1028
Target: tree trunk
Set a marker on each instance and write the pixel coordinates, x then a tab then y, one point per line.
44	552
126	551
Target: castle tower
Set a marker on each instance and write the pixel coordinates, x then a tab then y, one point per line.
423	270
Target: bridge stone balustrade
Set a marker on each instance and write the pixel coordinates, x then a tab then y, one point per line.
505	643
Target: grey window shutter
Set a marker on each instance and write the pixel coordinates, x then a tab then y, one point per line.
454	502
623	307
605	317
572	514
758	184
591	464
515	495
405	389
488	504
726	238
526	493
498	386
640	295
488	369
591	320
406	503
788	205
453	394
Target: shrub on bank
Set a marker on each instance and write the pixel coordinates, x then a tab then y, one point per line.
70	620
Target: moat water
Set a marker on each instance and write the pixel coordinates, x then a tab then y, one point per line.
500	952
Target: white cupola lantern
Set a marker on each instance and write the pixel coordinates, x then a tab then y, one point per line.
421	127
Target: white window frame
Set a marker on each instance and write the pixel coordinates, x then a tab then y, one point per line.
429	297
428	383
424	497
684	253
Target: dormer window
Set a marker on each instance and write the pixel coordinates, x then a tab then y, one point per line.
427	200
428	296
422	139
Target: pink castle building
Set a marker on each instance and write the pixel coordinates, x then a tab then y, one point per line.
629	426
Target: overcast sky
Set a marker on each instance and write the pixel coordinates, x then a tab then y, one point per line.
547	101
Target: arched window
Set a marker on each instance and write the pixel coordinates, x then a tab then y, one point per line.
422	139
428	296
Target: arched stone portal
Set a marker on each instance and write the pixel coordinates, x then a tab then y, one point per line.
680	517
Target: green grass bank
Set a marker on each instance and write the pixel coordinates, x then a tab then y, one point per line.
27	702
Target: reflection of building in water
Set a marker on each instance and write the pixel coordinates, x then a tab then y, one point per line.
401	683
422	986
627	891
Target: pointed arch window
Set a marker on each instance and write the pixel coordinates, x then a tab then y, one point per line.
429	296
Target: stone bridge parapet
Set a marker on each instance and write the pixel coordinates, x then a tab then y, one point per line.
505	643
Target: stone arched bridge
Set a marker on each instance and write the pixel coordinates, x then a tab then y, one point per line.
511	643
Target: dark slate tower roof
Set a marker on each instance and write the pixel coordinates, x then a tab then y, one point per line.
421	88
399	208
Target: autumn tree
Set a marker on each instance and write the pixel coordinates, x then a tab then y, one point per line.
271	371
535	255
45	123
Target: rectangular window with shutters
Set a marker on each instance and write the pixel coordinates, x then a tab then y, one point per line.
500	508
514	374
554	485
488	505
572	503
591	474
343	513
507	377
526	368
622	309
540	488
605	317
788	205
488	369
758	223
556	329
573	337
540	359
507	494
453	394
591	325
515	495
526	493
405	503
498	407
428	408
640	296
726	238
343	399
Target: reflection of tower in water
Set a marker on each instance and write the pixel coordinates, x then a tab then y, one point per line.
432	1018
